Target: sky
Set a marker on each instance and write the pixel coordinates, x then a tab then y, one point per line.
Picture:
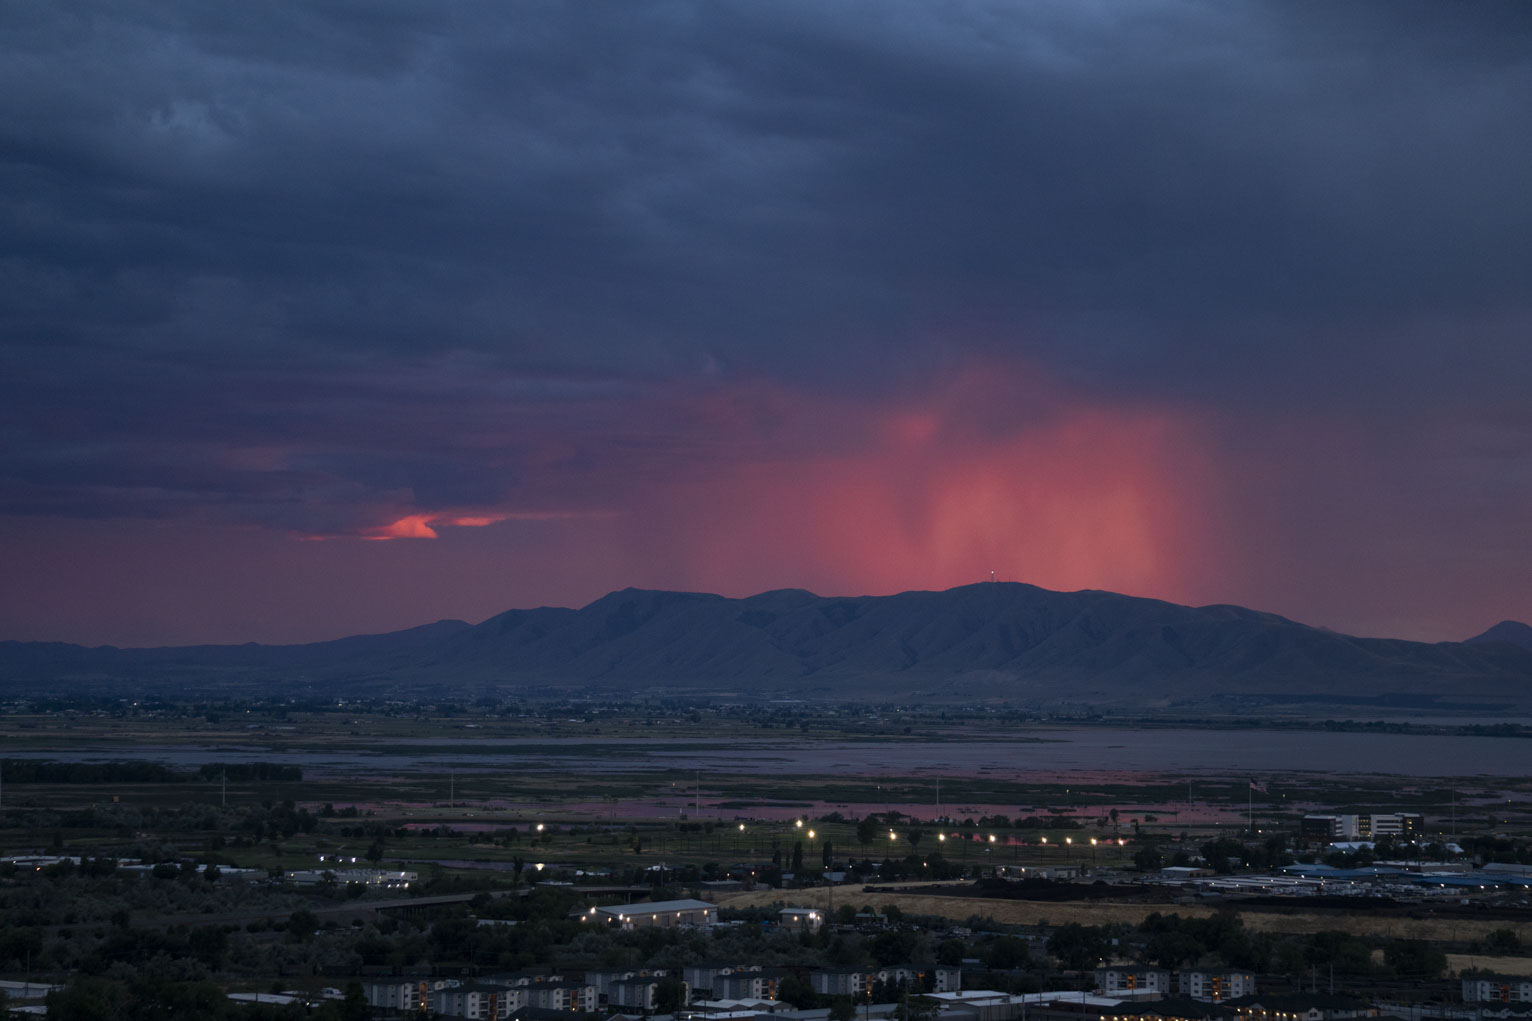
331	318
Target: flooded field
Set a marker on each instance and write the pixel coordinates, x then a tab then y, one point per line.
1036	754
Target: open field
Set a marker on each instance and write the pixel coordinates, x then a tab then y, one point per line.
1018	912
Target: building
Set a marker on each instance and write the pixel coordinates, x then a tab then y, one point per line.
701	977
1214	985
481	1002
1497	988
544	992
1170	1009
662	913
409	995
387	879
801	919
758	984
859	983
1133	981
641	993
602	978
1406	825
1300	1007
975	1005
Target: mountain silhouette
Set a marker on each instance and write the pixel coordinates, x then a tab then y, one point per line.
991	641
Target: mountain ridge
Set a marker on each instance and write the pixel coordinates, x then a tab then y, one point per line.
1512	631
991	640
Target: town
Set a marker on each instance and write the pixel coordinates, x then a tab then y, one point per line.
251	889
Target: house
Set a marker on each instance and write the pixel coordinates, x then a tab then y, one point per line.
1133	981
1214	985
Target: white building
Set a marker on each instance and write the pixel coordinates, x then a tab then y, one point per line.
482	1002
1214	985
410	995
1133	981
661	913
640	993
801	919
1501	988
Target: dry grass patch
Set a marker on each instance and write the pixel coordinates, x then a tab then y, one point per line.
1498	965
1024	912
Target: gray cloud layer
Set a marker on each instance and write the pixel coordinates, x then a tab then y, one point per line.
426	251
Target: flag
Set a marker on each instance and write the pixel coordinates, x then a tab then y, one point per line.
1256	787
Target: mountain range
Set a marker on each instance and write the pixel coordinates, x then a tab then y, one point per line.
993	641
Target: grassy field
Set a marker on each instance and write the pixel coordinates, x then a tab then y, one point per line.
1018	912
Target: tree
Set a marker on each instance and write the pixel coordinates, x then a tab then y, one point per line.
1171	949
301	925
669	996
1077	947
829	854
1148	858
1503	941
208	944
797	857
1003	953
866	830
797	992
1414	959
1348	954
354	1007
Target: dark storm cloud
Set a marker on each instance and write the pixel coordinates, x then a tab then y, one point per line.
311	263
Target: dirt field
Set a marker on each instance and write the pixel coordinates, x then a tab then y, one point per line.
1498	965
1021	912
